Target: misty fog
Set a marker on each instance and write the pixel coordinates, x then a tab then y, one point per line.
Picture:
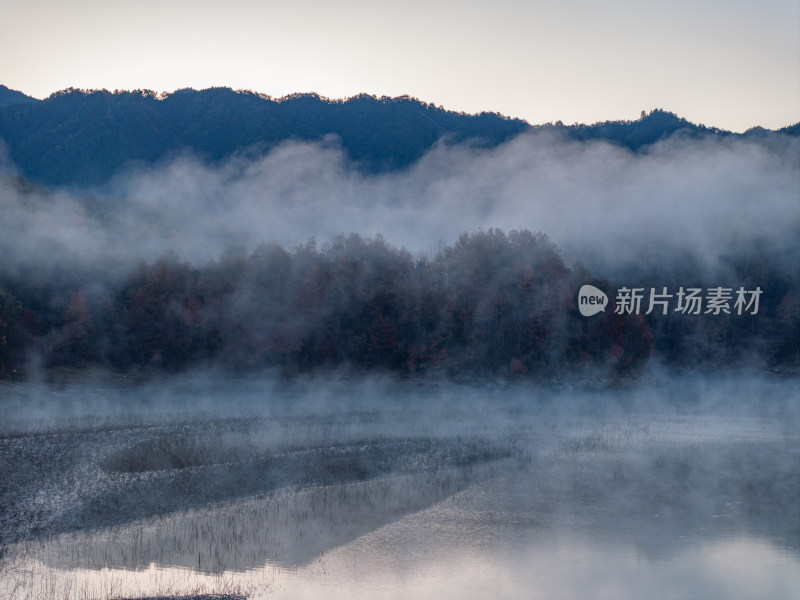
601	204
377	487
409	412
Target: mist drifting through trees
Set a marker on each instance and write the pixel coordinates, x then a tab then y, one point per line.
490	304
464	262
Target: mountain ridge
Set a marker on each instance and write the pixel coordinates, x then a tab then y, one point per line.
9	97
85	137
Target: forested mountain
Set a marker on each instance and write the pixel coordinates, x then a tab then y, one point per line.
10	97
77	137
85	137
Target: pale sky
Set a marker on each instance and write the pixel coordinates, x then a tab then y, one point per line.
732	64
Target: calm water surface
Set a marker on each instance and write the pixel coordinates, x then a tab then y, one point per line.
687	503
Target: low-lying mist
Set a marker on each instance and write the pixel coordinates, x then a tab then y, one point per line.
601	204
224	475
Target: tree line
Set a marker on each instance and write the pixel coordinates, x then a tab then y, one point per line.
492	304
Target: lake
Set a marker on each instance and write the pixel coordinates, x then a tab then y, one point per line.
342	488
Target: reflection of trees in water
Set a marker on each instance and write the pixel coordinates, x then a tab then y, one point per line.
661	496
239	493
289	527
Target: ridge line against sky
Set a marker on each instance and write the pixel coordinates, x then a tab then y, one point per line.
164	94
733	65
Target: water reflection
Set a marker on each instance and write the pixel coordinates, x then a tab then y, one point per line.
456	549
625	507
557	566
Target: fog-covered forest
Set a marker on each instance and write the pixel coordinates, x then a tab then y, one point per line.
384	234
492	303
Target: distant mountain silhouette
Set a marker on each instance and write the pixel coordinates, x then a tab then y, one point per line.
650	128
85	137
9	97
791	129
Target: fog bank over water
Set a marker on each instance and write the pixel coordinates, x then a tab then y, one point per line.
54	403
375	487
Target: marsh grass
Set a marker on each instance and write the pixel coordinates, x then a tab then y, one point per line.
205	547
